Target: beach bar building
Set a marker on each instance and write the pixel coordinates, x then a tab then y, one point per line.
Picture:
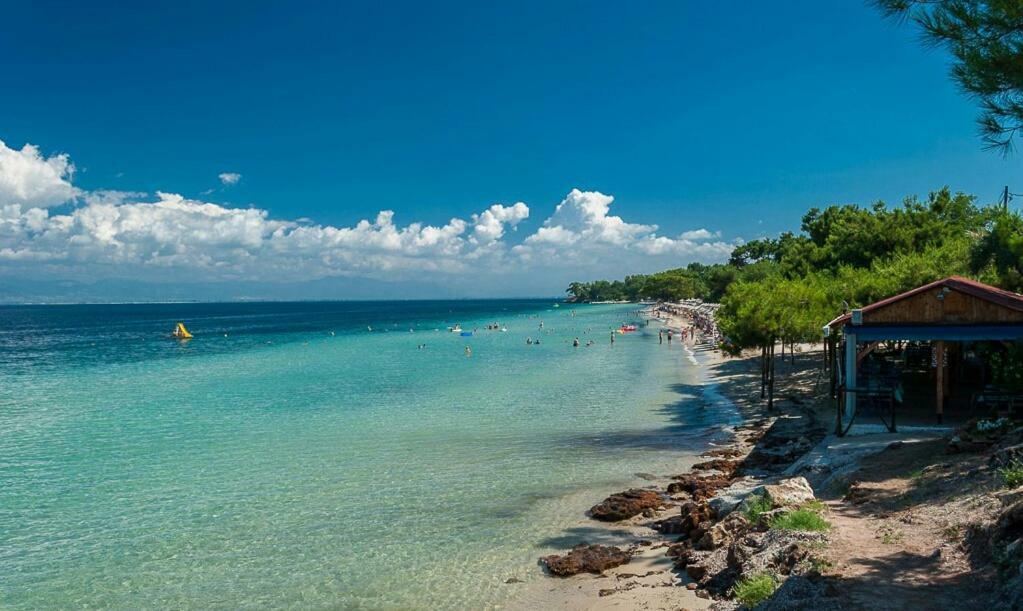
934	349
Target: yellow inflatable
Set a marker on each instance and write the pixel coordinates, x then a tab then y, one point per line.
180	332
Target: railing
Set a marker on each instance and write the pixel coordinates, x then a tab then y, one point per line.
876	401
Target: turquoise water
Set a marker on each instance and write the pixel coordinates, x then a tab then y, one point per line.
282	465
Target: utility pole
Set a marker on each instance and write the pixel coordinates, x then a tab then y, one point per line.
1005	199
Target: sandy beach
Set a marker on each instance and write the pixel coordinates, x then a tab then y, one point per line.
650	580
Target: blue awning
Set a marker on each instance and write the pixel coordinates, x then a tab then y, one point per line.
953	333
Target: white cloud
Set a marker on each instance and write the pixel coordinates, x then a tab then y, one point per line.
582	232
699	234
229	178
118	234
489	224
33	181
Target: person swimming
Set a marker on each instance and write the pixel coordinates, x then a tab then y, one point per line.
575	343
468	351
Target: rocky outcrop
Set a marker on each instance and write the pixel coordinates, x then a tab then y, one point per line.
699	488
726	467
625	505
791	492
585	558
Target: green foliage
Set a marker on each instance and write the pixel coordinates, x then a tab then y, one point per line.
986	39
1006	363
787	288
707	282
998	255
1012	474
756	505
752	591
804	520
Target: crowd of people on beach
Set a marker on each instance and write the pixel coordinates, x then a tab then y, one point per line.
688	322
699	325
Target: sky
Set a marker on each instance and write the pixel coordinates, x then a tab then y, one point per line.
329	150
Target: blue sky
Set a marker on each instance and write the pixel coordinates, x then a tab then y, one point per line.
692	115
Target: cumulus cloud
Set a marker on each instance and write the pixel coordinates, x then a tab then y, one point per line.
29	179
582	231
229	178
489	224
168	236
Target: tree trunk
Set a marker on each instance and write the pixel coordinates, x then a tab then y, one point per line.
770	380
763	371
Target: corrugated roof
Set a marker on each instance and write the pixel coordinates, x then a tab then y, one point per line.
1001	297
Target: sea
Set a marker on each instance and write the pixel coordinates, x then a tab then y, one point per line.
324	455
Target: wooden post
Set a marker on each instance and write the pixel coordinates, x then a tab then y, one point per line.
939	358
832	374
850	373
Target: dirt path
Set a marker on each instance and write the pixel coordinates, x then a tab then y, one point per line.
897	538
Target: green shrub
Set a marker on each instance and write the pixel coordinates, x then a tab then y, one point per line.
754	590
1012	474
757	504
814	506
802	520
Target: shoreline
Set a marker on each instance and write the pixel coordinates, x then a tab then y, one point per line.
649	579
653	577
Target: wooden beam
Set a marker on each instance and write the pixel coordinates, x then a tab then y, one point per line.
862	354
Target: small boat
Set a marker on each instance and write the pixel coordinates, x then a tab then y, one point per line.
628	328
180	332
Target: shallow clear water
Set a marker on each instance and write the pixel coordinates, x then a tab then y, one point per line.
283	466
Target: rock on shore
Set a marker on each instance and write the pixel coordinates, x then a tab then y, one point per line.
585	558
624	505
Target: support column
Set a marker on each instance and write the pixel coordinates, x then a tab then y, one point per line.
939	358
850	373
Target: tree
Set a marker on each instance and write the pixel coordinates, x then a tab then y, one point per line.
986	40
998	255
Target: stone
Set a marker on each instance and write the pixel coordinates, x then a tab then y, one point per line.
696	518
585	558
691	585
737	556
790	492
675	525
513	580
696	572
625	505
700	488
713	538
1005	456
765	518
726	467
731	497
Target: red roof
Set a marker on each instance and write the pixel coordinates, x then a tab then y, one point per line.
1001	297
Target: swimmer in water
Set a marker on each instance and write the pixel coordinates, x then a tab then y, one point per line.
575	343
468	351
